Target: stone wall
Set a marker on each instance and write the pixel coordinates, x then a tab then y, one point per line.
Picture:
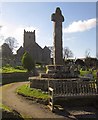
39	84
46	55
36	52
42	83
14	77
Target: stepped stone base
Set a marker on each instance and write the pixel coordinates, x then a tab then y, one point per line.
59	71
53	72
42	83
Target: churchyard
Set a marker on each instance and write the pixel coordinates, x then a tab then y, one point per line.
9	69
46	84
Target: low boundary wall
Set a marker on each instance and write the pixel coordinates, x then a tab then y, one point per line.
14	77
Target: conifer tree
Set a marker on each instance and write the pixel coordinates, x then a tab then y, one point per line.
27	62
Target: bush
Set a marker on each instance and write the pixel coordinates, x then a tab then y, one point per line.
27	62
7	65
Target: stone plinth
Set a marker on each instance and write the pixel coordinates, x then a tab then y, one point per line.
58	71
54	69
42	83
39	83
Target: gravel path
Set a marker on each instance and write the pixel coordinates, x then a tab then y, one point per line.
27	107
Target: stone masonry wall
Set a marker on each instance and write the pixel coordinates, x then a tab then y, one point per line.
14	77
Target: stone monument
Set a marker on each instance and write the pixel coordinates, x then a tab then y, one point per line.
57	19
57	71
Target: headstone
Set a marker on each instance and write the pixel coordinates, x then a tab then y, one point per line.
58	18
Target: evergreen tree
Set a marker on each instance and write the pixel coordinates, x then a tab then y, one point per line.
27	62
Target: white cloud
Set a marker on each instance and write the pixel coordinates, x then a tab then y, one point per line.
8	30
19	31
80	26
70	38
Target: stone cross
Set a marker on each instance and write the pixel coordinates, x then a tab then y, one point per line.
57	18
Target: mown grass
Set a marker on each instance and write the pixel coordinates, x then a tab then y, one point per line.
4	107
9	69
83	73
25	90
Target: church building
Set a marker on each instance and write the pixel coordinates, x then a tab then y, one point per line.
38	54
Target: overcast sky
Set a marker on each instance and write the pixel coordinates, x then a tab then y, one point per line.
79	27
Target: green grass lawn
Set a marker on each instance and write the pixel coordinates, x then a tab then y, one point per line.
31	92
9	69
83	73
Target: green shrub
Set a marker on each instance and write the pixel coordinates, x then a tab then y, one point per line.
27	62
7	65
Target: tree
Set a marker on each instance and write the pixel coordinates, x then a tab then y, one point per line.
27	62
6	51
87	53
12	42
51	49
79	62
67	53
91	62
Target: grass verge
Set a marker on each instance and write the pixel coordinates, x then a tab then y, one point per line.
10	69
32	93
4	107
8	113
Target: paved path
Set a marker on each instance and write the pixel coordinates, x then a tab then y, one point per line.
26	107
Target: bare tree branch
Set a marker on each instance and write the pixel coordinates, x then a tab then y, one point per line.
67	53
12	42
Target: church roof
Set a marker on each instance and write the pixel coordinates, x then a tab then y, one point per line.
46	48
32	46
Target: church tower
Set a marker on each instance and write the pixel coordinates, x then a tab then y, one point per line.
29	38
